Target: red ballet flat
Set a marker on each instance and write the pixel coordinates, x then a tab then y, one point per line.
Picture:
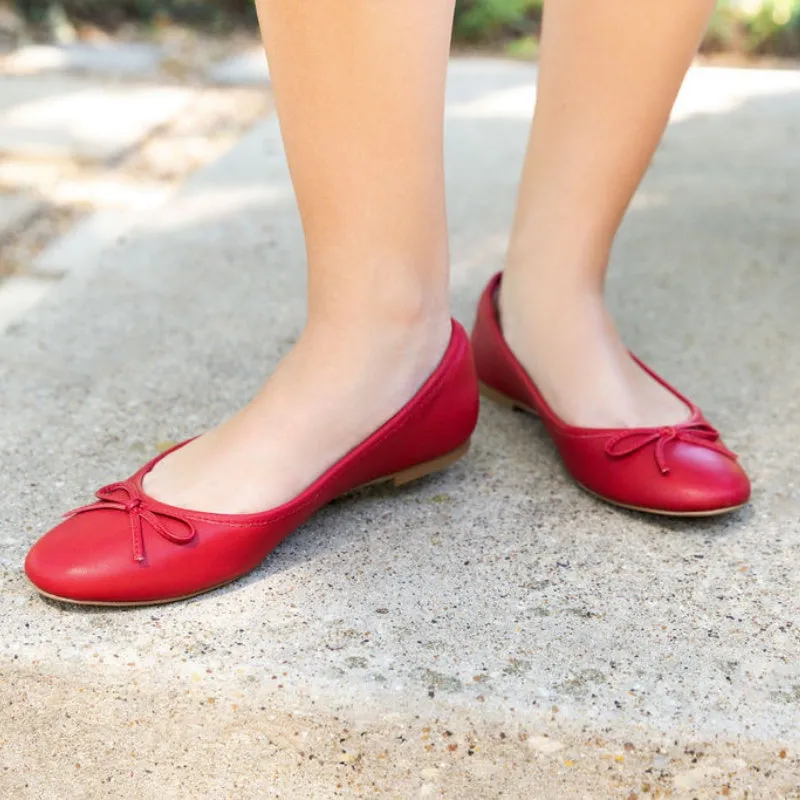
130	549
680	470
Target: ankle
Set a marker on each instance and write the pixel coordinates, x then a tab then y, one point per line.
566	265
385	289
579	278
371	332
551	307
384	361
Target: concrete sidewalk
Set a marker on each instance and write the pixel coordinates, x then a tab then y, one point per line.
488	632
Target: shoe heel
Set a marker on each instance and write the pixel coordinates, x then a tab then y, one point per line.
497	397
429	467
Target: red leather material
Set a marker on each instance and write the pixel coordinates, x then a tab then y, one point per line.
130	548
678	469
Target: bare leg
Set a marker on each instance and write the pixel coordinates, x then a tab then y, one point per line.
359	87
609	75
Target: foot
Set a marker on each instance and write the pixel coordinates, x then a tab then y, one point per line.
326	396
571	348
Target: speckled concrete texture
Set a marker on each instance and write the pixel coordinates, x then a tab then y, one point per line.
488	632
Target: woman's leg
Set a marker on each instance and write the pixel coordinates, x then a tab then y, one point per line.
359	87
609	73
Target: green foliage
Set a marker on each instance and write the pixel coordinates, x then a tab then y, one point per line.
111	14
755	27
775	28
488	20
525	47
751	27
724	31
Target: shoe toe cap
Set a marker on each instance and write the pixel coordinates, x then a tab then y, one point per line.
694	480
700	481
712	482
80	560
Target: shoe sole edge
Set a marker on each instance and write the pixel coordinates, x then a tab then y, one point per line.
661	512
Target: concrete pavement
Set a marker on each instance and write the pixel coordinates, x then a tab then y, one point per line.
488	632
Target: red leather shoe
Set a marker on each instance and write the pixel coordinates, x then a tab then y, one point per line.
129	549
681	470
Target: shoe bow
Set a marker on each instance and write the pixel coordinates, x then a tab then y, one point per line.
697	433
123	497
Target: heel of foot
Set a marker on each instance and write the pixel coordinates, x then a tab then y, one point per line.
429	467
497	397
